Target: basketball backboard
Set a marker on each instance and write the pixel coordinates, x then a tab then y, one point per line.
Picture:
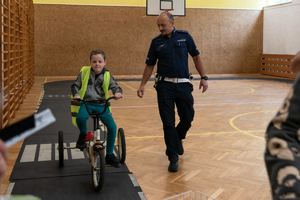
175	7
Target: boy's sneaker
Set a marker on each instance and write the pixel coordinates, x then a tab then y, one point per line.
112	160
80	144
180	151
173	167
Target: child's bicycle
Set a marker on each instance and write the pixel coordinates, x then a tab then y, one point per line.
95	148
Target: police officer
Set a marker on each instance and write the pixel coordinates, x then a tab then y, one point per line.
173	85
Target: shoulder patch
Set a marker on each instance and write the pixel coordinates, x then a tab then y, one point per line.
181	31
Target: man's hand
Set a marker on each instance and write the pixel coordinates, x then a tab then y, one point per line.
140	91
204	84
118	96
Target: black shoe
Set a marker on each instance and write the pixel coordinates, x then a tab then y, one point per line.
180	151
173	167
80	144
112	160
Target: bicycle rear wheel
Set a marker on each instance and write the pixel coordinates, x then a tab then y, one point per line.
121	145
61	148
98	171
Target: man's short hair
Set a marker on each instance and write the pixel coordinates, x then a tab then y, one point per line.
170	16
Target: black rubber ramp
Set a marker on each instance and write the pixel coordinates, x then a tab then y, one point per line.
37	170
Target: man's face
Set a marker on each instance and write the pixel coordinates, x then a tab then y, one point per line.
97	63
164	25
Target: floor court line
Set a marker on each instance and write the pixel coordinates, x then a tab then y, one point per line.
46	149
246	132
195	134
127	85
218	104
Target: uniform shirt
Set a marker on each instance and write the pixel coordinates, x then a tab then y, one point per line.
172	54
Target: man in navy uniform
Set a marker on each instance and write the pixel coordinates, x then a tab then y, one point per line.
173	84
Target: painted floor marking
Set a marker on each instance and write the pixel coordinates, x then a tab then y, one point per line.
247	132
44	154
134	181
127	85
76	153
10	188
142	195
55	95
29	153
57	153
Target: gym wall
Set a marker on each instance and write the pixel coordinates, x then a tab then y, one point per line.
281	28
230	39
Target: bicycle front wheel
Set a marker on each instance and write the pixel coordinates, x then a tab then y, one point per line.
98	171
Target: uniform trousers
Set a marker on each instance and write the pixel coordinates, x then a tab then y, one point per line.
168	95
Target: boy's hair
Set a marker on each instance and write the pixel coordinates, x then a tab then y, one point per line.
97	51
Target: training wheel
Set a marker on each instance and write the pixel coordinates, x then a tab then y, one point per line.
61	148
121	145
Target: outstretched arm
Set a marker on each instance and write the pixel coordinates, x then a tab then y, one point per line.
146	75
199	66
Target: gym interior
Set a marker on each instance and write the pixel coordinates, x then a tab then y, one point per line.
246	48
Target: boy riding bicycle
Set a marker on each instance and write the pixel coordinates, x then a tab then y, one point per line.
93	84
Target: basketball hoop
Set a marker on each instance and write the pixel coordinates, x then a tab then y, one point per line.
167	10
156	7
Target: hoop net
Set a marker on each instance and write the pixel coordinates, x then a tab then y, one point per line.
167	10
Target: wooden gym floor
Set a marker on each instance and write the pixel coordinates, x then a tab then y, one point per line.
224	148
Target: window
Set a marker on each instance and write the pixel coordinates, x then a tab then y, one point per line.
273	2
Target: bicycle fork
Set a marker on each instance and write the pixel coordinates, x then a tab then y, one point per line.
96	145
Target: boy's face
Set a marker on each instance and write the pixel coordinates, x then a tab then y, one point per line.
97	63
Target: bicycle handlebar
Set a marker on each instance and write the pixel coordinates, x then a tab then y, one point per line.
101	113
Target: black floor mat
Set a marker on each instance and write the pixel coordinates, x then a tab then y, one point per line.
117	186
45	179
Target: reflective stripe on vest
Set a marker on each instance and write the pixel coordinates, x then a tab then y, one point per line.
85	73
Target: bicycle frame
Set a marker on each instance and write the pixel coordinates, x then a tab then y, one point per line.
95	143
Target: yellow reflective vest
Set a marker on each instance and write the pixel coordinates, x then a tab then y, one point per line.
85	74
